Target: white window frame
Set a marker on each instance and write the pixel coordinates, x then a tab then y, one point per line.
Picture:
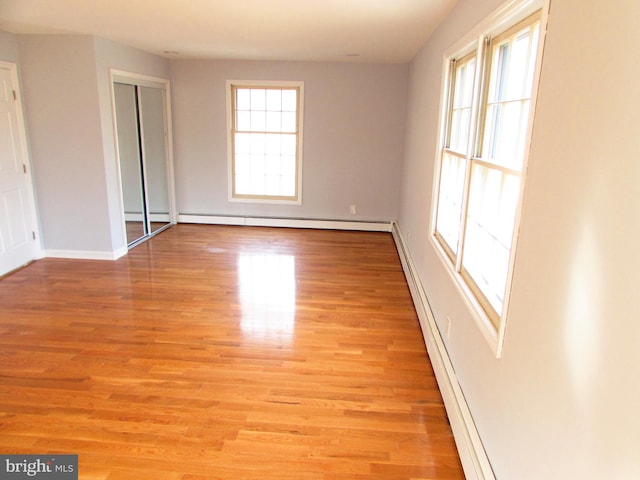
500	21
268	84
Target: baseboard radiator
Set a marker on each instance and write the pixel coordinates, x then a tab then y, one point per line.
340	224
472	454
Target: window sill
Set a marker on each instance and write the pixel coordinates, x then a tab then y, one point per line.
271	201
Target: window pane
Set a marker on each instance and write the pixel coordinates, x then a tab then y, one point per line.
493	197
274	100
258	121
265	154
243	99
460	120
289	100
461	105
507	109
242	143
272	185
288	186
243	164
535	34
257	184
258	99
499	68
518	68
288	165
289	122
274	122
463	91
450	199
272	145
257	143
505	133
487	263
242	184
288	145
243	121
257	165
272	165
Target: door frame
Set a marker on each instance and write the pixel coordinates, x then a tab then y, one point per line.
32	211
138	79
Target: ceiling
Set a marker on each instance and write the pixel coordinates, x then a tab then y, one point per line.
381	31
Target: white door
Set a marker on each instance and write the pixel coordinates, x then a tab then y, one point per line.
17	224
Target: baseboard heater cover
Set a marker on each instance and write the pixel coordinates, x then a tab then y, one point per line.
327	224
473	457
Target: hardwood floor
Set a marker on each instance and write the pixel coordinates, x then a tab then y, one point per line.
214	352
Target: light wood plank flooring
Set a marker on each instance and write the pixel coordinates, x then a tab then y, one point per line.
214	352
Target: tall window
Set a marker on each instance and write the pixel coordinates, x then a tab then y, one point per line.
481	162
265	140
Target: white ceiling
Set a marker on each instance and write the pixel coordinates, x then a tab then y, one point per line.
385	31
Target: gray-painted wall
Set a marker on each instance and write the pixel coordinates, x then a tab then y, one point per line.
67	95
8	47
562	401
353	137
60	94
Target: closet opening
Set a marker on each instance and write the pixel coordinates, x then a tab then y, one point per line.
144	146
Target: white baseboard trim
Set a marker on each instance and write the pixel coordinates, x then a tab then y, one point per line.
369	226
86	254
473	457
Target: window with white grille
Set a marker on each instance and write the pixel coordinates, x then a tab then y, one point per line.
481	162
265	141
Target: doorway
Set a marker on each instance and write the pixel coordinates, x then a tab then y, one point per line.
141	106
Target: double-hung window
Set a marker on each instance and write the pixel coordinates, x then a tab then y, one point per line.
265	141
481	163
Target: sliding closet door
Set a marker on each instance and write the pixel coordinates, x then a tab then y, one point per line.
143	133
153	122
130	161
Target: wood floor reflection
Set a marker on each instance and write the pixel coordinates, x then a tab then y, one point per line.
214	352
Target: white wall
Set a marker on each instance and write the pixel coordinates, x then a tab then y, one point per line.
562	401
353	137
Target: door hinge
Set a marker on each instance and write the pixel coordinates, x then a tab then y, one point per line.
33	234
15	95
24	168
